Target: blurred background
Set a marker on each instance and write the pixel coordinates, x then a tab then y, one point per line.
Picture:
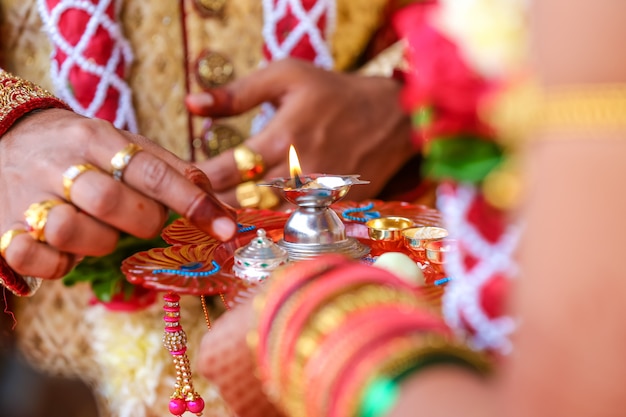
24	392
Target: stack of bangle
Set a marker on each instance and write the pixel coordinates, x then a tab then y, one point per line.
334	334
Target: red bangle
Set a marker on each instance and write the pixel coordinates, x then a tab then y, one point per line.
18	97
281	288
18	285
364	330
363	368
328	286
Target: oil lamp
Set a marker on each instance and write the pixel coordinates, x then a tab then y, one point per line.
314	228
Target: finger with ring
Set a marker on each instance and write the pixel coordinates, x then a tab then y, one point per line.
118	205
121	159
70	175
36	217
7	237
251	195
249	164
29	257
74	231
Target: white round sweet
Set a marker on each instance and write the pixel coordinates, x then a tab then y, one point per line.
402	266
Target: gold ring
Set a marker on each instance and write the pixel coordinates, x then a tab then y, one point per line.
70	175
120	160
36	217
7	237
251	195
249	164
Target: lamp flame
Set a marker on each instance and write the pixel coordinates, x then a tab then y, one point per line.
294	164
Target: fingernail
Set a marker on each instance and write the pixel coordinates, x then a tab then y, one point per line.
200	100
224	228
210	215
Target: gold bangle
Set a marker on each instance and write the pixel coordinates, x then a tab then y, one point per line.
437	348
524	109
332	314
584	107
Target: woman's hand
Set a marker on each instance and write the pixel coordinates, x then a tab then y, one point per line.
34	155
225	359
338	123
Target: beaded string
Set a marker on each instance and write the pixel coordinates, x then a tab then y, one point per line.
243	229
188	270
442	281
224	301
185	398
205	311
367	215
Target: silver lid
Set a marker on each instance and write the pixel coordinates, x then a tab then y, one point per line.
255	261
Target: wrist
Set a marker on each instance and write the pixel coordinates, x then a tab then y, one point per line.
19	98
444	390
339	338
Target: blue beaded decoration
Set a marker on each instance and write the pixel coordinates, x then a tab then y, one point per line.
188	270
242	229
367	215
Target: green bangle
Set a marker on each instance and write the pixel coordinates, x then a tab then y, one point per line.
382	393
379	397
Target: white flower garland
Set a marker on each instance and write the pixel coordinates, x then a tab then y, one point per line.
128	349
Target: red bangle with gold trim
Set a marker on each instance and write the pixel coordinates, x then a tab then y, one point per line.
19	97
320	291
350	345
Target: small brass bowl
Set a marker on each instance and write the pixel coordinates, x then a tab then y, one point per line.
415	238
387	228
437	250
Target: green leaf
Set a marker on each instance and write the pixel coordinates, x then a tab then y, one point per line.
466	159
104	273
104	290
423	117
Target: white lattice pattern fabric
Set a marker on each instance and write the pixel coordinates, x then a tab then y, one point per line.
299	28
90	58
479	271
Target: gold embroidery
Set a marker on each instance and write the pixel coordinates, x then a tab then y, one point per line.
14	92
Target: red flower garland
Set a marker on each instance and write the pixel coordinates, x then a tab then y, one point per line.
440	89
